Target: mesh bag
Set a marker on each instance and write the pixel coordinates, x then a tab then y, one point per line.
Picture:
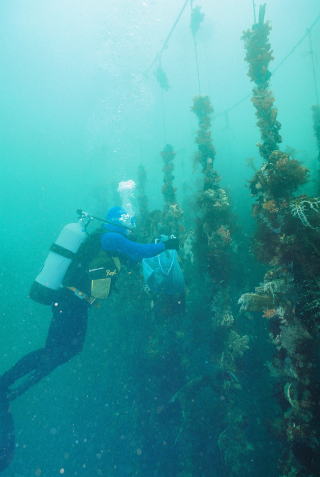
163	274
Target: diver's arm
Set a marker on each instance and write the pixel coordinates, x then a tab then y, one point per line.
120	245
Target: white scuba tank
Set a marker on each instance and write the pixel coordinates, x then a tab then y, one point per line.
57	262
59	258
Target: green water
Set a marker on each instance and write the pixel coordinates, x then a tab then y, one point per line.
80	109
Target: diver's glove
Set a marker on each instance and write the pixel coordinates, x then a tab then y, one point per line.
172	244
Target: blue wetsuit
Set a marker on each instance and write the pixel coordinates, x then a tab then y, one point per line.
68	326
119	244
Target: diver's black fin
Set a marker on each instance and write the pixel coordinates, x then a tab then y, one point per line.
7	438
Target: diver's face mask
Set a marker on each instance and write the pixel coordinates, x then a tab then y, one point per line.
127	221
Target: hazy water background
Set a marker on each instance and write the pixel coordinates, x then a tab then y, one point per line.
79	111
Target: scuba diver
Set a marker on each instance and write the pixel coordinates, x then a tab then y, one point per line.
79	270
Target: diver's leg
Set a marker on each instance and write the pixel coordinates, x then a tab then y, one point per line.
69	325
65	339
7	437
24	366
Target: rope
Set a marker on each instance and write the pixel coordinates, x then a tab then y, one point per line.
197	63
244	98
166	41
196	56
314	72
234	106
296	45
163	114
254	11
293	49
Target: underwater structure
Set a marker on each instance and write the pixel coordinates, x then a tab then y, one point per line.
197	392
213	266
143	204
172	212
196	20
168	189
316	128
287	242
142	198
214	229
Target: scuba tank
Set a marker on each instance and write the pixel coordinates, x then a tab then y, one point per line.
61	254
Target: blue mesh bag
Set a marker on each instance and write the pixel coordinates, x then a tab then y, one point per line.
163	275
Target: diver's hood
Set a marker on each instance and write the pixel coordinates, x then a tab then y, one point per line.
119	220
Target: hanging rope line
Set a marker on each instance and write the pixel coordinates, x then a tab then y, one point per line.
157	57
314	71
163	117
195	47
234	106
254	11
166	41
293	49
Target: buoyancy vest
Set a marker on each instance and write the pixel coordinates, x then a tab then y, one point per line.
92	271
